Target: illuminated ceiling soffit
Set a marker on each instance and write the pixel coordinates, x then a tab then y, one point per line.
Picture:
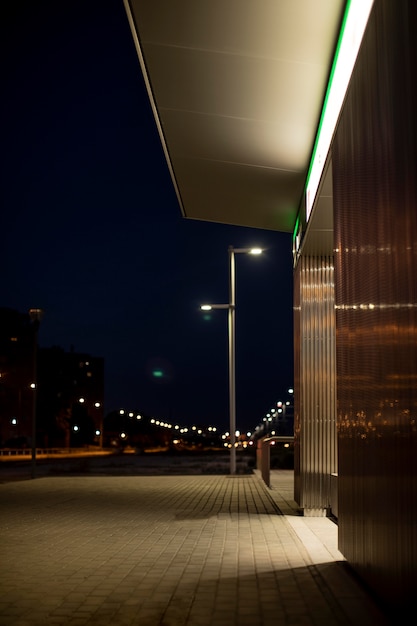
237	89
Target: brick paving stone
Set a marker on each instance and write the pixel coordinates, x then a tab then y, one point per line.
177	550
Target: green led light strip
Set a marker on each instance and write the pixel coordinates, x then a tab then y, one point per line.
352	29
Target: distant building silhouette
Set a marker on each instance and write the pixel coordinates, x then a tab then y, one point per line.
70	390
16	376
70	398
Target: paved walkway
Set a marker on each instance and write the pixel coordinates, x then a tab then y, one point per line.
170	551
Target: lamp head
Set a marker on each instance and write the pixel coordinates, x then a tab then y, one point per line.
209	307
245	250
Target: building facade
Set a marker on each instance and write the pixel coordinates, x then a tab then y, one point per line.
355	313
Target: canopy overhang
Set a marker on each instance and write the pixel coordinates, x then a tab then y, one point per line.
237	91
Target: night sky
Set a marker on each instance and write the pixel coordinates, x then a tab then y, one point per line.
93	234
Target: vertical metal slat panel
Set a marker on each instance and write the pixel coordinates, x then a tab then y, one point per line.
315	423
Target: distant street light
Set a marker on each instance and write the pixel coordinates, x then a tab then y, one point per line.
231	307
35	317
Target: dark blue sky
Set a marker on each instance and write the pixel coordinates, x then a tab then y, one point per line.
92	231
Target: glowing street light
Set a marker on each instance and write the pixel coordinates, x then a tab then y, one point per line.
231	307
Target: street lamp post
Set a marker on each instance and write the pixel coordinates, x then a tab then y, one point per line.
35	317
232	358
231	318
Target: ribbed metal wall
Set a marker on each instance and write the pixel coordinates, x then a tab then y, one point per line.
315	408
297	381
375	225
